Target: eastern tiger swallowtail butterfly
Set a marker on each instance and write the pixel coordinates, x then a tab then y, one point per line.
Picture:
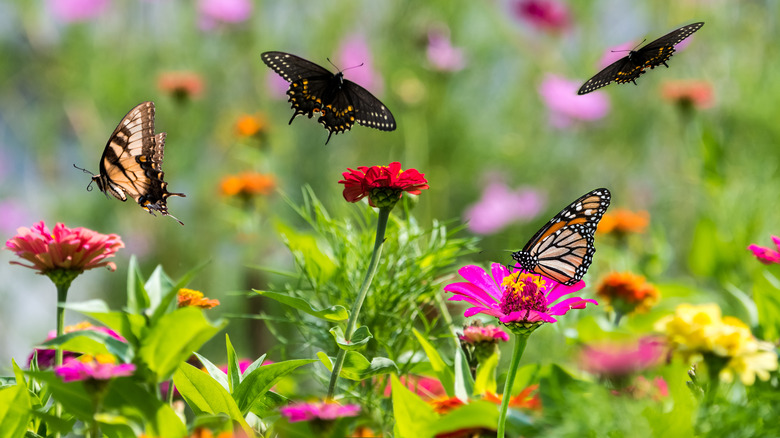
629	68
563	249
131	164
341	103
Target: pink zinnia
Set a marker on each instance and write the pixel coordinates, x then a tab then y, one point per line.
73	11
87	367
566	107
501	206
767	256
621	359
216	12
442	55
46	356
319	410
549	15
475	334
518	299
76	249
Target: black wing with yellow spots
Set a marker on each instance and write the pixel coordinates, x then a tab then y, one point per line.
339	102
629	68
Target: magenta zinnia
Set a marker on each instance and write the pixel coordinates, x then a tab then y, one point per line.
100	367
383	185
765	255
520	300
319	410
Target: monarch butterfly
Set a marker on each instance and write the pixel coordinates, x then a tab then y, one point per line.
563	249
629	68
131	164
341	103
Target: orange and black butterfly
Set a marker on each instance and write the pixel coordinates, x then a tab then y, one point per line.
563	249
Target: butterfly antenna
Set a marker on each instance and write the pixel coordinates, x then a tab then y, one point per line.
89	186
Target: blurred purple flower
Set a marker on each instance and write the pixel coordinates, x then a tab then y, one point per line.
621	359
566	107
442	55
216	12
548	15
74	11
351	54
500	206
320	410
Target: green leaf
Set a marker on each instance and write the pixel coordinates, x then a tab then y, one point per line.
214	371
305	248
766	293
204	395
168	299
475	415
464	382
91	342
413	416
173	339
137	403
72	395
486	376
137	298
703	257
128	325
360	338
234	373
357	367
14	411
268	404
253	366
442	370
259	381
332	313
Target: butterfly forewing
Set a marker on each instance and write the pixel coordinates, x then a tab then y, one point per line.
563	249
373	113
292	68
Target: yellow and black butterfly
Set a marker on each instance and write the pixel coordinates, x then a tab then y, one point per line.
563	249
131	164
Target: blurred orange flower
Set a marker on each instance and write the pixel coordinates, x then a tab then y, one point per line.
627	292
523	400
445	404
181	84
194	298
688	93
247	184
249	125
623	221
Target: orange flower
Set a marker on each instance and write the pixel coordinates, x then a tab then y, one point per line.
688	94
627	292
621	221
181	84
194	298
445	404
250	125
247	184
524	400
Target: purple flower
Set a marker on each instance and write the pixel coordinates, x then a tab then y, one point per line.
101	367
548	15
442	55
216	12
621	359
566	107
74	11
767	256
518	299
499	206
351	54
321	410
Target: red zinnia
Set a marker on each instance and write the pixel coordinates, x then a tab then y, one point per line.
383	185
689	94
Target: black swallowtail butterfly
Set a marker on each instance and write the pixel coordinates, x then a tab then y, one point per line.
341	103
629	68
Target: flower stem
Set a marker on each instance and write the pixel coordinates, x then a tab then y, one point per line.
517	353
381	226
62	295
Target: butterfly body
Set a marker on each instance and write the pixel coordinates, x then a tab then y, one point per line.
563	249
131	165
629	68
340	103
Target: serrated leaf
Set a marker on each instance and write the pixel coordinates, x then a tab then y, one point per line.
259	381
442	370
333	313
357	367
360	338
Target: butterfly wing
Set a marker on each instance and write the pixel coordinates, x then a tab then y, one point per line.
131	164
659	51
620	69
352	104
563	249
309	82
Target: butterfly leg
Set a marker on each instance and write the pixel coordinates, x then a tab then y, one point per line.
667	65
634	81
329	134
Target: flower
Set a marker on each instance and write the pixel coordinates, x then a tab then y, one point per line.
46	356
524	400
427	388
194	298
688	94
383	185
522	301
627	292
100	367
354	52
445	404
74	250
74	11
214	13
566	107
12	213
622	221
181	85
548	15
441	54
618	359
320	410
614	53
251	125
247	184
767	256
477	333
500	206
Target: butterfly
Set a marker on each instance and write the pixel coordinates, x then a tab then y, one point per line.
131	164
340	103
563	249
629	68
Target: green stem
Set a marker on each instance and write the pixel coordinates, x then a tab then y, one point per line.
381	226
517	353
62	295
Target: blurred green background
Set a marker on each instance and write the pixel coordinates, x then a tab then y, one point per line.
708	177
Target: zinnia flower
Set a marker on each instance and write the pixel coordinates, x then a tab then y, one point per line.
522	301
100	367
442	55
619	359
383	185
548	15
354	52
319	410
767	256
566	107
46	356
425	387
214	13
251	125
248	185
622	221
74	11
627	292
181	85
477	333
528	399
688	94
194	298
501	206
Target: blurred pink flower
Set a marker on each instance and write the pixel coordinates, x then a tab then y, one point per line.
566	107
351	54
499	206
548	15
74	11
621	359
427	388
475	334
442	55
319	410
276	85
102	367
767	256
12	214
216	12
243	364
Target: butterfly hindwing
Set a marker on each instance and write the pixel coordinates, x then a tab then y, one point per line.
563	249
